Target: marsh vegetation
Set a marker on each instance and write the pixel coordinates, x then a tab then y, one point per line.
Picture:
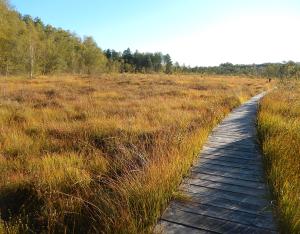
103	154
279	127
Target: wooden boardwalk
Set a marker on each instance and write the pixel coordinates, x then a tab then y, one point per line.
225	189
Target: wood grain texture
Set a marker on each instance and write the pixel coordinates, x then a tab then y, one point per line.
226	191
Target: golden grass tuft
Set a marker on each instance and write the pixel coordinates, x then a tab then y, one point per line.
104	154
279	130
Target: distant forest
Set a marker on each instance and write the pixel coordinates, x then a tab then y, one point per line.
28	46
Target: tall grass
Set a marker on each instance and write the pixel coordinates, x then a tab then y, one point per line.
279	130
103	154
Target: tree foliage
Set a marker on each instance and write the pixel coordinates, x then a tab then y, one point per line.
138	62
28	46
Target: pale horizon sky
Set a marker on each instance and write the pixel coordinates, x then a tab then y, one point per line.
193	32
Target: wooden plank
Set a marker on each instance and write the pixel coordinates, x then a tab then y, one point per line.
233	146
230	163
231	159
224	140
254	219
229	156
228	180
226	173
208	149
227	187
231	169
218	225
261	208
238	141
233	135
238	128
235	132
234	196
176	228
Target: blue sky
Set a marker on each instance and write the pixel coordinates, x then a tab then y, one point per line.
194	32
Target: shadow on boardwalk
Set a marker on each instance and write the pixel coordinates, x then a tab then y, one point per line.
225	190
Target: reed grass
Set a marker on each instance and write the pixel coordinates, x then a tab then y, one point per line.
103	154
279	131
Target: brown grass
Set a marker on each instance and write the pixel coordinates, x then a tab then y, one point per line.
279	129
103	154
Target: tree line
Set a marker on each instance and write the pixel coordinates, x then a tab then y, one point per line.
28	46
282	70
138	62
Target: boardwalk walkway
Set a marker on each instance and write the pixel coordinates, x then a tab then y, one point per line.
226	190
